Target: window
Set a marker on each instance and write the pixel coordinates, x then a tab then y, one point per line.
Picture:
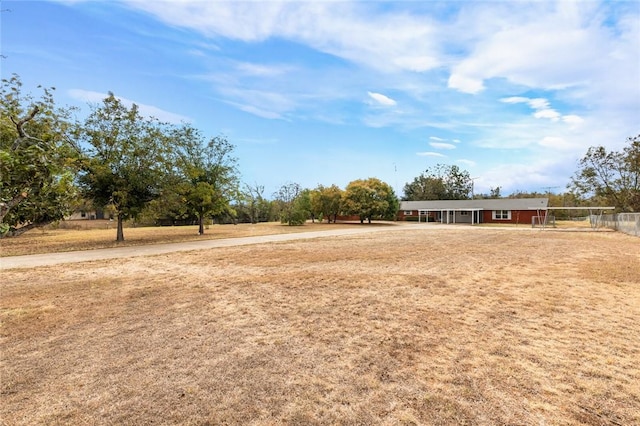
408	212
502	214
464	213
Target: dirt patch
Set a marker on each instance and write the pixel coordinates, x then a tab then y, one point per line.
424	326
82	238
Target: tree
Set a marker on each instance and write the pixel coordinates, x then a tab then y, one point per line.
495	192
126	158
253	205
443	182
303	204
293	203
37	162
208	173
326	201
370	199
611	177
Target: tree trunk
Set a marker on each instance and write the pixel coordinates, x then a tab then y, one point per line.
120	232
24	229
200	223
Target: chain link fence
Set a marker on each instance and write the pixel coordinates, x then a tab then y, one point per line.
629	223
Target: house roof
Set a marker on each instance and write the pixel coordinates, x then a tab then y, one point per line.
487	204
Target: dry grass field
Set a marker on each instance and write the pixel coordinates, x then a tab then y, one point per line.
97	234
457	326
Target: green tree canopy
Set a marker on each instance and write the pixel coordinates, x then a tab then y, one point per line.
442	182
37	162
208	174
126	158
326	201
611	177
370	199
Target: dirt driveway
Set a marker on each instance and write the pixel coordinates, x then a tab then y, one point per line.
30	261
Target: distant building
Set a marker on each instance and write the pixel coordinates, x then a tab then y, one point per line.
503	210
89	215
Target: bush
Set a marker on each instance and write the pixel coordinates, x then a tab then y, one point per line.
294	217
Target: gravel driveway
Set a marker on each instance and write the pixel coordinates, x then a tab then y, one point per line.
30	261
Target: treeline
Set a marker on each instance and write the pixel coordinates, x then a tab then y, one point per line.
141	169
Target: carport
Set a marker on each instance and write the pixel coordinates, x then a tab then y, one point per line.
450	215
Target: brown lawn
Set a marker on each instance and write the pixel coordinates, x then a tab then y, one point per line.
476	326
97	234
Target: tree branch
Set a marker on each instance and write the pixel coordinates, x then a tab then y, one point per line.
5	208
19	127
25	228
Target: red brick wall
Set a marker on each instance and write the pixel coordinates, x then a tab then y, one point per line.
517	217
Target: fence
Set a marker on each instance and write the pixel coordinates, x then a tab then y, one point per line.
629	223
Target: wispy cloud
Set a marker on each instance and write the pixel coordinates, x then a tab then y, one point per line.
261	70
553	46
542	109
442	145
430	154
145	110
440	70
381	99
557	143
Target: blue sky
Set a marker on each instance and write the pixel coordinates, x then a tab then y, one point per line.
327	92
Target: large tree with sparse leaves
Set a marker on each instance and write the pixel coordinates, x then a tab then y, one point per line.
293	203
611	177
37	161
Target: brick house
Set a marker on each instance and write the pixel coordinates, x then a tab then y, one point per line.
504	210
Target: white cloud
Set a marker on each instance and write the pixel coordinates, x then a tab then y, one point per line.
465	83
539	103
430	154
580	48
557	143
547	113
145	110
351	30
586	50
543	109
417	63
265	104
529	176
381	99
435	138
251	109
466	162
572	119
262	70
441	145
515	100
